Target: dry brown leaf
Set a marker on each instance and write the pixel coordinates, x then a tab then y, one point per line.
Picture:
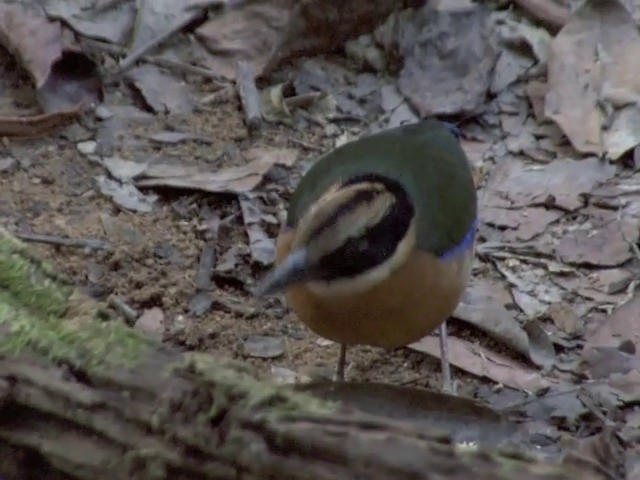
263	249
163	93
593	87
623	324
112	24
448	58
266	33
482	362
483	306
562	183
229	180
63	78
603	239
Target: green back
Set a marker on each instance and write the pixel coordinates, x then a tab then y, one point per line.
425	158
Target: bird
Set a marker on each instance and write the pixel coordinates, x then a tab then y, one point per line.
379	240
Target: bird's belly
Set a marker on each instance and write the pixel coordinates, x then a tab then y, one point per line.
408	305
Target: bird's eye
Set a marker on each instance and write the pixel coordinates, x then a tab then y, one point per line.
453	129
363	245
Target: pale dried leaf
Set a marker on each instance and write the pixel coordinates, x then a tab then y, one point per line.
602	240
561	182
162	93
479	361
64	78
620	326
226	180
263	346
126	195
483	307
448	59
110	24
590	76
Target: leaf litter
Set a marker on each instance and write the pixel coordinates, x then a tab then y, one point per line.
554	284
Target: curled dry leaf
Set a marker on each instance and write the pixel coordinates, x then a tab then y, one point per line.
112	24
266	33
162	93
64	78
227	180
603	239
449	55
483	307
560	183
263	346
622	325
593	87
482	362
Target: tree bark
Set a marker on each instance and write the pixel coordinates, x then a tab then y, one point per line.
82	397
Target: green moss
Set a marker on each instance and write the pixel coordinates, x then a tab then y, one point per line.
236	385
39	312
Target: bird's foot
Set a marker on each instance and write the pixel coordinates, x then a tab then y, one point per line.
342	362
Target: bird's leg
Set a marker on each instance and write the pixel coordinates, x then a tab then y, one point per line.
447	385
342	362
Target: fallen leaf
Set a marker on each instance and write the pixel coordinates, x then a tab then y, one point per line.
64	78
482	306
266	33
126	195
151	323
560	183
161	92
227	180
157	18
593	87
122	169
602	362
263	346
448	58
600	239
620	326
482	362
263	249
564	317
112	24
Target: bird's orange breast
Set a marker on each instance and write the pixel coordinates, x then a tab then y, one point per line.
413	301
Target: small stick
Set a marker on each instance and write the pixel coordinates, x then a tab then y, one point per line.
248	92
93	243
306	145
123	309
160	61
205	266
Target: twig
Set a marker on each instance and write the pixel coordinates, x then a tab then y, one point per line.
160	61
307	145
547	12
93	243
304	100
205	266
123	309
248	92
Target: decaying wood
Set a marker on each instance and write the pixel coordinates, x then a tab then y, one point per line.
76	405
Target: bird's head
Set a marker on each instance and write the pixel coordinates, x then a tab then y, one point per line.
352	238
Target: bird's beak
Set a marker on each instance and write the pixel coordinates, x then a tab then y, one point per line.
294	269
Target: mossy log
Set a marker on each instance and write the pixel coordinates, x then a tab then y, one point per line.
82	396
